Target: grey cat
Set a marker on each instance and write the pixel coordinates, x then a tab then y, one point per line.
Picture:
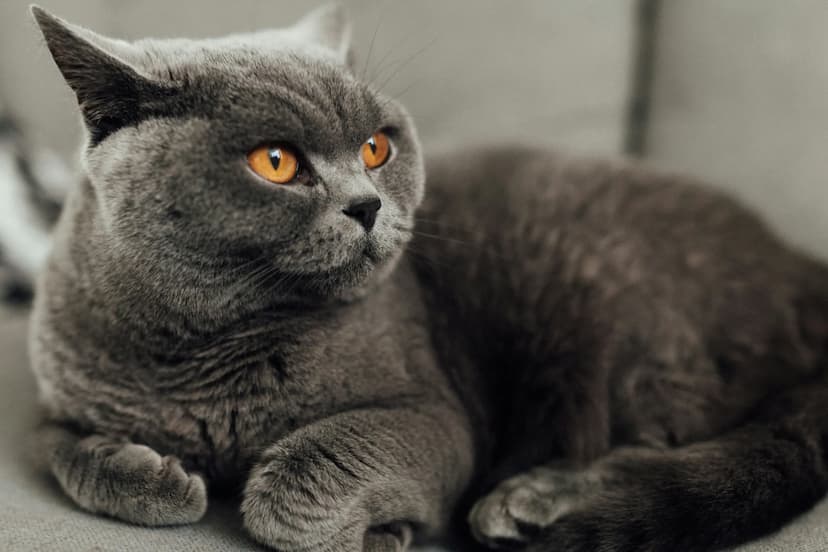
249	291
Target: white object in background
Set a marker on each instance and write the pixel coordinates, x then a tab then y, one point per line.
23	235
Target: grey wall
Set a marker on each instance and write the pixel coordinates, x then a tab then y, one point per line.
739	92
482	70
741	97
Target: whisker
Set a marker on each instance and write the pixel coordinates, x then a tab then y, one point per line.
397	95
405	62
371	45
400	94
378	68
238	287
272	286
432	263
439	223
294	280
442	238
287	281
222	273
401	227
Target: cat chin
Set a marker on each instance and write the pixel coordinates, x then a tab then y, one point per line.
358	277
347	280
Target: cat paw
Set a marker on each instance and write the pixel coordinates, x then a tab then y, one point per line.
520	507
293	501
134	483
305	497
388	539
167	494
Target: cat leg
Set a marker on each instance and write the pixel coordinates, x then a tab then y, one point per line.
703	496
124	480
360	480
395	538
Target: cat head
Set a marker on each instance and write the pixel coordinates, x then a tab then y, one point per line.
257	158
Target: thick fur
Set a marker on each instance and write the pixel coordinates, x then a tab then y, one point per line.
601	357
646	341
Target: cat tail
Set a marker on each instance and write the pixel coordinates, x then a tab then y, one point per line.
708	495
32	189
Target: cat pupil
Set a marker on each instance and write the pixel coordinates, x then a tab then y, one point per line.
373	145
275	158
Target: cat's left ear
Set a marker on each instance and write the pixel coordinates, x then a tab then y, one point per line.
111	92
329	27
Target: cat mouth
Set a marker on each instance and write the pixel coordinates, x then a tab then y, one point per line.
369	251
363	261
364	256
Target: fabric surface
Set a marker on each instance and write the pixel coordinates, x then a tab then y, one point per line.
35	516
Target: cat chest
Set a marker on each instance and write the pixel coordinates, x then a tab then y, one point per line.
220	413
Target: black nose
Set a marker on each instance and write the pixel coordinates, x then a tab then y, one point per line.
364	210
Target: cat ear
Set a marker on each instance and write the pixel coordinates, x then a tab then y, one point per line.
110	92
328	26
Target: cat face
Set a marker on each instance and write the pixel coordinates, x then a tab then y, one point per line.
180	134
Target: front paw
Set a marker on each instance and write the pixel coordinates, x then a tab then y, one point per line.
395	538
303	496
130	482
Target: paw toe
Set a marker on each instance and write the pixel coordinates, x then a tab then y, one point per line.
530	509
195	499
492	524
155	490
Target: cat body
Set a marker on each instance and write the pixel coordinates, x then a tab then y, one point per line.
668	284
214	397
595	355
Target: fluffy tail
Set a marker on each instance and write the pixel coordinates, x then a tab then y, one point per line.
31	192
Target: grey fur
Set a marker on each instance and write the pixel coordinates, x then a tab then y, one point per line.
590	318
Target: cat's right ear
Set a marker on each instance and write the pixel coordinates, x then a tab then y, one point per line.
110	92
329	27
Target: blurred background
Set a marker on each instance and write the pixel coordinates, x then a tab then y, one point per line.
735	92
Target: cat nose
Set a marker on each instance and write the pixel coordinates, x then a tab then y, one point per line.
364	210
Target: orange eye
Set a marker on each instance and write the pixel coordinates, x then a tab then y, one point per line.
276	164
375	150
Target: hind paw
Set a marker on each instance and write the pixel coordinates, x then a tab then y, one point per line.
520	507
